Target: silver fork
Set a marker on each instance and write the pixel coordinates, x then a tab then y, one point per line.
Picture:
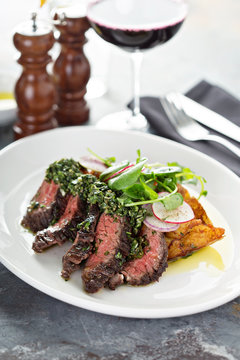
189	128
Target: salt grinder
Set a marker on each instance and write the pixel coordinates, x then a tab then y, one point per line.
71	70
35	92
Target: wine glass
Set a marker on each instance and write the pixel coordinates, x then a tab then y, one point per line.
134	26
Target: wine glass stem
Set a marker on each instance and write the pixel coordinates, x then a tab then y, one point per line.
137	57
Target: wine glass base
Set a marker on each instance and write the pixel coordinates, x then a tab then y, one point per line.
123	120
96	88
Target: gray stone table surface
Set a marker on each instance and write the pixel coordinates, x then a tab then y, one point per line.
34	326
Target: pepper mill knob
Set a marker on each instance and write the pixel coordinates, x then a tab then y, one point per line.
35	92
71	69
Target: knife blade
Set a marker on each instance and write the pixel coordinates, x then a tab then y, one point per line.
209	118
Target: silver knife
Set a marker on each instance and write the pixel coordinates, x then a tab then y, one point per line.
209	118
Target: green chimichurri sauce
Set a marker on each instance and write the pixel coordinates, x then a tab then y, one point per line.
68	174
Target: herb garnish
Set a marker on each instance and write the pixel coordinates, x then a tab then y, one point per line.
119	257
86	248
186	176
107	161
137	246
142	182
67	173
33	206
64	172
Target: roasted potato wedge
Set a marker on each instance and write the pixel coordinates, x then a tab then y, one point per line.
193	235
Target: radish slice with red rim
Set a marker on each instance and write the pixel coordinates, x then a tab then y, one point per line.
92	163
158	225
182	214
152	222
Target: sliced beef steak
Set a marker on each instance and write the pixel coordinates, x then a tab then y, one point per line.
150	267
83	244
47	205
65	229
111	248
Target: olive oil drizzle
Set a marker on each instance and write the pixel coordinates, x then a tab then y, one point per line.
208	259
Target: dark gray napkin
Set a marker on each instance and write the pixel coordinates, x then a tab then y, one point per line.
210	96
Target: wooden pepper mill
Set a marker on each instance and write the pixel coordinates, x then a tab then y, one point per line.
35	92
71	70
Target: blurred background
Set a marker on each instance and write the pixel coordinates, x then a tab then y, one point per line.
207	47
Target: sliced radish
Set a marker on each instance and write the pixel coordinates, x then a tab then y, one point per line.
90	162
156	224
182	214
118	172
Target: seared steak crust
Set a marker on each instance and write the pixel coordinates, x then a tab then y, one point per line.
47	205
150	267
65	229
116	280
83	244
111	248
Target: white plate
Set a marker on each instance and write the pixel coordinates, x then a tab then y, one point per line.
196	284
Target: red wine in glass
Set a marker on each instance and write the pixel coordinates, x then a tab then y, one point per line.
134	26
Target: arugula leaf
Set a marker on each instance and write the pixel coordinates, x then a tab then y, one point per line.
187	176
140	192
135	191
172	202
150	193
127	204
168	184
139	156
107	161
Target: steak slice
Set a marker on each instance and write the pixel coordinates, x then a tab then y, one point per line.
150	267
111	248
65	229
83	244
47	205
